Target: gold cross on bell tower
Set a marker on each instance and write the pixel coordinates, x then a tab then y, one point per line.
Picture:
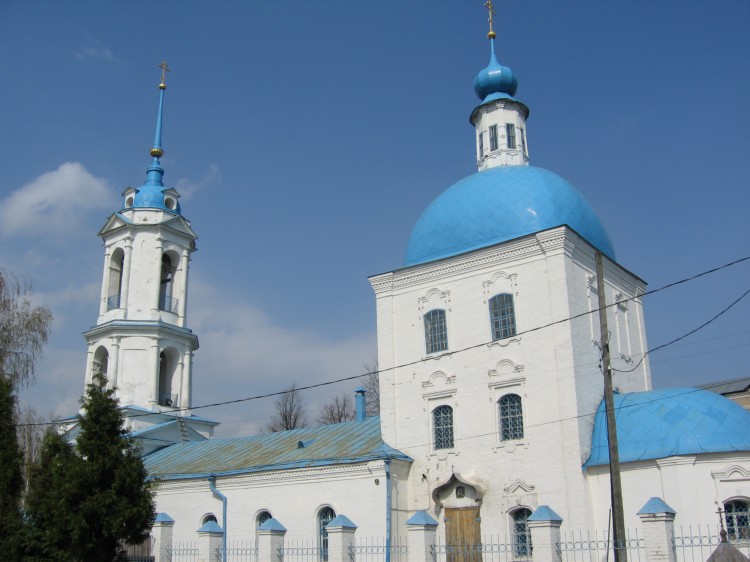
491	18
164	70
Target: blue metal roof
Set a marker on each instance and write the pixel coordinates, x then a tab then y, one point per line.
501	204
496	80
674	421
343	443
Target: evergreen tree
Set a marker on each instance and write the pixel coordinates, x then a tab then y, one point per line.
51	501
118	504
86	501
11	480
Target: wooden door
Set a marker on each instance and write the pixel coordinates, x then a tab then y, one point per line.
463	537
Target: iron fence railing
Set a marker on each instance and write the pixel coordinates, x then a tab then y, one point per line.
375	550
695	543
168	399
168	304
598	546
184	552
493	548
113	302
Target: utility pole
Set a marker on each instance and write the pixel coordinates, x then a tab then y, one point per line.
615	484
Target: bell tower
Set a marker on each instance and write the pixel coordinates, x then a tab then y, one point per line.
141	341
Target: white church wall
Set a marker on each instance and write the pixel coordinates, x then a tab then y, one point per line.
693	485
554	371
293	497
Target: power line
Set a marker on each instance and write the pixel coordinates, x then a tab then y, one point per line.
475	346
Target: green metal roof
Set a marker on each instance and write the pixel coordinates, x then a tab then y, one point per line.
343	443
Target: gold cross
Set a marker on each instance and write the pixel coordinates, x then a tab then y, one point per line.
164	70
488	5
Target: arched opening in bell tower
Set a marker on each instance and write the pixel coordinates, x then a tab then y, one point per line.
100	364
168	379
167	302
114	281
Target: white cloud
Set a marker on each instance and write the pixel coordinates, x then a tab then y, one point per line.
93	50
55	203
187	188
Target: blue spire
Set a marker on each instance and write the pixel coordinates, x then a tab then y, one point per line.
151	193
496	81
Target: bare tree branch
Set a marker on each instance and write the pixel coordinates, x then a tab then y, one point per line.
23	330
339	409
291	412
371	383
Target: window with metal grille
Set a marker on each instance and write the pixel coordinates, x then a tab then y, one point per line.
481	144
442	423
510	131
502	316
493	137
325	516
521	534
263	516
511	417
522	138
435	331
737	515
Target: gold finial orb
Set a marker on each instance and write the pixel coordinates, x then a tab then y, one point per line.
156	152
491	35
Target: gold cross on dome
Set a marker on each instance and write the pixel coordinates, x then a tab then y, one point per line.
164	70
491	18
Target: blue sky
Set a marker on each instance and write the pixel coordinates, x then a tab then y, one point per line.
307	138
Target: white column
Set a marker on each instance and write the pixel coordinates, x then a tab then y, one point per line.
162	535
183	288
421	537
125	290
185	384
157	285
155	352
544	525
114	362
658	530
270	540
105	282
341	532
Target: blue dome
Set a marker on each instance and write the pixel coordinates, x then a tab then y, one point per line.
500	204
496	81
674	421
151	194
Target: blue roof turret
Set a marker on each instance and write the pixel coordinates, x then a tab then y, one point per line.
496	81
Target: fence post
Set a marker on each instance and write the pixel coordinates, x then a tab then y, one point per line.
209	542
421	537
658	530
544	525
162	535
270	540
341	533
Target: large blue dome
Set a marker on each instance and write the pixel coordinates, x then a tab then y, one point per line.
673	421
500	204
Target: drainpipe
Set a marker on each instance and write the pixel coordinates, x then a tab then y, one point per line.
388	500
223	498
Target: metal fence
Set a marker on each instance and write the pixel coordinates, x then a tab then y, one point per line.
302	551
695	543
588	546
494	548
240	551
184	552
375	550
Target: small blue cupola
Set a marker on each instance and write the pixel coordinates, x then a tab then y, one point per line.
495	81
152	194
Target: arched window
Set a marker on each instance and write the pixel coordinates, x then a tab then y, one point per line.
208	518
263	516
325	516
114	282
511	417
502	316
435	331
166	301
521	533
737	514
442	424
